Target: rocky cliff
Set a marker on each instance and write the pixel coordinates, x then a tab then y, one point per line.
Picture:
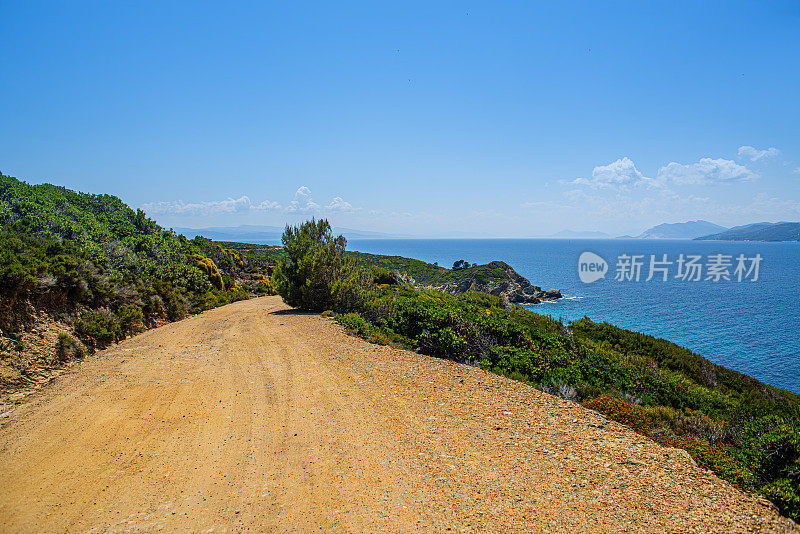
497	278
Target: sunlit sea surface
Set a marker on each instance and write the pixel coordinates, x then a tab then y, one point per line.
752	327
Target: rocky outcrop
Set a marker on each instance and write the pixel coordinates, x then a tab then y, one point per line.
499	279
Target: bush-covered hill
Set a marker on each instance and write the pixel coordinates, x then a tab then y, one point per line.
101	270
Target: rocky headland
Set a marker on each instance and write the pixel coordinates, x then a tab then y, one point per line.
499	279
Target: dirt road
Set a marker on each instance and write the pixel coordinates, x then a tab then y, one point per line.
253	418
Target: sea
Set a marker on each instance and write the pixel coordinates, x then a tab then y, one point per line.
750	325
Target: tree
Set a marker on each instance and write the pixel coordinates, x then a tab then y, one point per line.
312	267
460	264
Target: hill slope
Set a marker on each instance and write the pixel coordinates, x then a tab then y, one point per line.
79	271
782	231
686	230
254	418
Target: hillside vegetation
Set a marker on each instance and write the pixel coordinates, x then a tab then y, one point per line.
745	431
100	271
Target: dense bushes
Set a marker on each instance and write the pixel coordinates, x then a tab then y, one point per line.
98	329
752	397
771	447
108	266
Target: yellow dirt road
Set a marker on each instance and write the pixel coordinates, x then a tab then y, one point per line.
252	417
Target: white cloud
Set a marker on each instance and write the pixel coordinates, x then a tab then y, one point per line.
210	207
618	174
796	171
338	204
302	202
755	154
706	171
267	205
623	174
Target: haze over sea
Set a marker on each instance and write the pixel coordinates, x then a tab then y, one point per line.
751	327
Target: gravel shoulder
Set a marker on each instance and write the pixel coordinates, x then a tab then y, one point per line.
253	417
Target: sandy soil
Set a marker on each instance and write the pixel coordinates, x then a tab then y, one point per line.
253	418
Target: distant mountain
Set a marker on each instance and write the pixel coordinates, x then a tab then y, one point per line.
571	234
686	230
265	234
780	231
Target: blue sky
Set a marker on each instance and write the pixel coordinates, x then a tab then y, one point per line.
459	118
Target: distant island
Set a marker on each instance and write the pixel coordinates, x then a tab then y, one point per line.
685	230
780	231
707	231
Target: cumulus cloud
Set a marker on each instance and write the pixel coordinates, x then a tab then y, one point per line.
267	205
302	202
706	171
623	174
755	154
619	174
210	207
338	204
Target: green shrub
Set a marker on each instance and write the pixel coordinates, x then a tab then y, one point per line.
67	347
382	276
785	493
98	329
356	324
130	319
313	268
771	446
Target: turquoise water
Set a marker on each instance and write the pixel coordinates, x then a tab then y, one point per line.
752	327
